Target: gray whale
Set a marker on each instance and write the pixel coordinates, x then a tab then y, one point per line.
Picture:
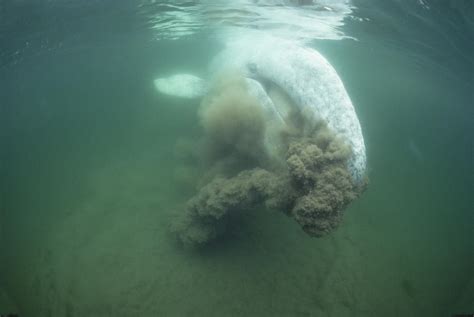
301	72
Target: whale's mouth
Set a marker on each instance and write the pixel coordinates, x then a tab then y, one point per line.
282	102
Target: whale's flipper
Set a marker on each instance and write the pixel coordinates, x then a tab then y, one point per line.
181	85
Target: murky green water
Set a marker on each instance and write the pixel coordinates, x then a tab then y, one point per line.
89	179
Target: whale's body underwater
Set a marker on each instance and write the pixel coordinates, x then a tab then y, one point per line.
306	77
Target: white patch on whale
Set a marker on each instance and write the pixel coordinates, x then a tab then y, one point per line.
181	85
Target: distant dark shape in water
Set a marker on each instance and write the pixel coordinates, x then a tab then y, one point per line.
408	288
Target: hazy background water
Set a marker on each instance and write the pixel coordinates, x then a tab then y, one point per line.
89	180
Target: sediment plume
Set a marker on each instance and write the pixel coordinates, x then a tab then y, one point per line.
313	185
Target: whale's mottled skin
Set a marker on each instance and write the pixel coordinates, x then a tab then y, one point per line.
308	79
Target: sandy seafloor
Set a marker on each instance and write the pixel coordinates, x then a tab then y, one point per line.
89	182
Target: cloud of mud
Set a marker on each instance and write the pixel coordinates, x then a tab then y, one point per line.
233	122
313	186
